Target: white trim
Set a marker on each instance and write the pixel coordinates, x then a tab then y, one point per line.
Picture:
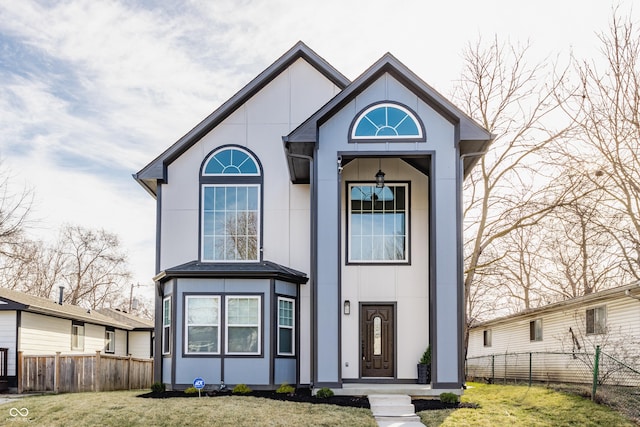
292	327
208	159
166	326
408	113
77	334
258	325
110	344
187	324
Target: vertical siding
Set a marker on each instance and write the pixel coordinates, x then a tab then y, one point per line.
406	285
8	338
259	125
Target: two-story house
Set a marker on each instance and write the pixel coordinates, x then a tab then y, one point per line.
309	231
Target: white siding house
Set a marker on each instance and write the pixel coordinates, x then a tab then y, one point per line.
609	319
296	231
39	326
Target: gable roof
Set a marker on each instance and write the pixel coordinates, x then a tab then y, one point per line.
631	290
301	141
20	301
156	171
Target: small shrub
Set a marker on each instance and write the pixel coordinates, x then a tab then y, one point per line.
449	397
158	387
426	357
241	389
286	389
190	390
324	393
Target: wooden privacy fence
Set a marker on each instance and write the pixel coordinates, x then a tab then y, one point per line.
87	372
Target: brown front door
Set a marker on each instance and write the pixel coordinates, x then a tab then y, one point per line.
377	336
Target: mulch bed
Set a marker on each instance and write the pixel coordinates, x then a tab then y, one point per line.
304	395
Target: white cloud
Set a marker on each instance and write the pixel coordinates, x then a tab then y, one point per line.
91	91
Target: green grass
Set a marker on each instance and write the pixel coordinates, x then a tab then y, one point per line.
523	406
124	409
499	406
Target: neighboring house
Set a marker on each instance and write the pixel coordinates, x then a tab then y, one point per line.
279	259
609	319
40	326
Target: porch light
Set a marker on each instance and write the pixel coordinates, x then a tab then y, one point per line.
380	179
347	307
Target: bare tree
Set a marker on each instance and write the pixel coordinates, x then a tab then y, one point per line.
95	267
504	193
607	113
14	210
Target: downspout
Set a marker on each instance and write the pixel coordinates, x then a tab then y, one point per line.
464	337
313	234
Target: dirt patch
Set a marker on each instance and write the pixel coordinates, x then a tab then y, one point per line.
304	395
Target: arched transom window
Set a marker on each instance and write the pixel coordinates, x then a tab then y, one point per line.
231	183
387	121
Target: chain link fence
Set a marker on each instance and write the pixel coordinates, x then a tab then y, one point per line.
597	375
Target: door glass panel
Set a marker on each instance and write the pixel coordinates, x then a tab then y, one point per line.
377	336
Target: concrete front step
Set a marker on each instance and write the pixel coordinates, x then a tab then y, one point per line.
404	419
393	410
400	424
389	399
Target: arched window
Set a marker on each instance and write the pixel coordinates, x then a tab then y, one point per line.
385	121
231	182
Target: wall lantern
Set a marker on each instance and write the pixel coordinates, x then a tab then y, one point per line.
380	179
347	307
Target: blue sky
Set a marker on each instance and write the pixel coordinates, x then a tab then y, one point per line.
91	91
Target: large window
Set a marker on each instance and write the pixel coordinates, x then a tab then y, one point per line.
243	324
231	193
166	325
596	320
286	326
202	324
535	330
377	223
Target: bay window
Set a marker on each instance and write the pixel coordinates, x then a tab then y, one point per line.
243	324
202	324
286	325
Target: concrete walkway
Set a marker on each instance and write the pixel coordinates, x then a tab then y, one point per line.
394	410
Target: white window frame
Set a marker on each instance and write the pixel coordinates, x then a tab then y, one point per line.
166	325
77	336
228	325
110	341
600	327
203	212
407	199
536	329
187	324
292	327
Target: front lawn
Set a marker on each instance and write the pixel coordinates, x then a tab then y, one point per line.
523	406
498	405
